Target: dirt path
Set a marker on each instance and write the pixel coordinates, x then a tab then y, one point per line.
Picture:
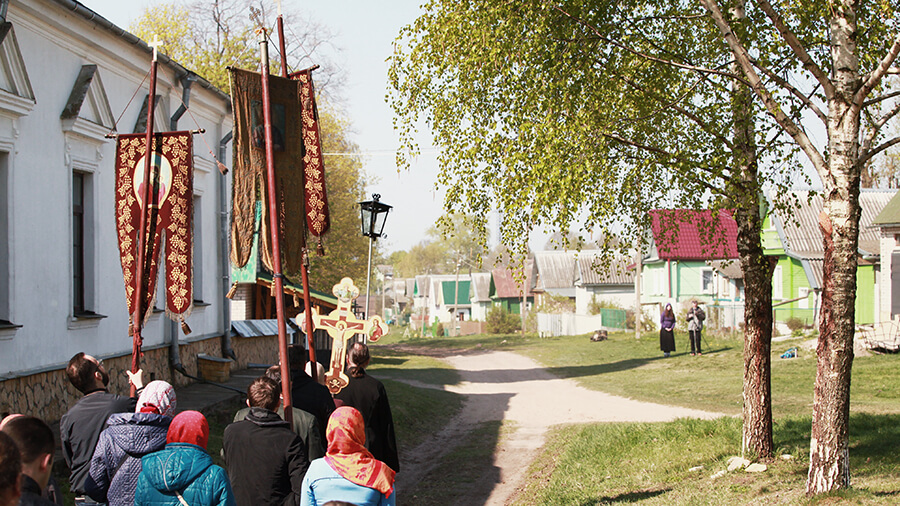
507	387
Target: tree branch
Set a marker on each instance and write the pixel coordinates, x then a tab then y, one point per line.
797	47
877	74
794	91
864	151
768	100
666	154
864	158
880	98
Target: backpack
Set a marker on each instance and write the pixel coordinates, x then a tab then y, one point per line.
700	314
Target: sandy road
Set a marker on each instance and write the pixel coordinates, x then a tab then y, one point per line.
507	387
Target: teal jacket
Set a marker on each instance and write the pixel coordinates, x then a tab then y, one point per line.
186	469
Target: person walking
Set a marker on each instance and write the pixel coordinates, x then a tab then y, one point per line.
667	331
36	447
348	472
10	471
695	318
183	473
116	464
369	396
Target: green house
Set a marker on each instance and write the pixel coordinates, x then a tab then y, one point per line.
795	238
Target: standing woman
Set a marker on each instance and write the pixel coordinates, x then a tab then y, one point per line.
667	331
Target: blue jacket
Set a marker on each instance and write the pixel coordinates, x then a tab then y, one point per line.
183	468
322	484
116	463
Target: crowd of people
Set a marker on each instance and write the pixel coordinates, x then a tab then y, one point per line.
339	450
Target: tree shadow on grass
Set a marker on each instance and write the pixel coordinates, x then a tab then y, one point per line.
628	497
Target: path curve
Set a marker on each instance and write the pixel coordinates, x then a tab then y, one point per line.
508	387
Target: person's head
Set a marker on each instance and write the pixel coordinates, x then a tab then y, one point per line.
694	304
319	374
358	359
35	441
157	397
86	373
189	427
10	470
263	393
346	431
296	357
10	417
669	311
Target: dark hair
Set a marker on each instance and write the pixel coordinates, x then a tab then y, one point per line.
274	374
296	357
10	465
81	372
359	355
32	435
263	393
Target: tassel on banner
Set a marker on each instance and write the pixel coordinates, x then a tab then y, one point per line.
184	327
130	328
296	301
222	168
320	247
231	291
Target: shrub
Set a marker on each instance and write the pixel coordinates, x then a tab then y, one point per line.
499	321
439	330
795	324
594	306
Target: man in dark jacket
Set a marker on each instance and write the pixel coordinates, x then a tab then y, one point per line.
80	427
368	395
306	393
265	460
35	441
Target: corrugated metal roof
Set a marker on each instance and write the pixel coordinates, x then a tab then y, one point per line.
555	269
460	288
731	269
422	286
890	215
803	237
481	286
257	328
616	273
504	286
681	234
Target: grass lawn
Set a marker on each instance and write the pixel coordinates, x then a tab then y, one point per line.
672	463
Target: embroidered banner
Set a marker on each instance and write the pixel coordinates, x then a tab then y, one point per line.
317	216
169	217
249	171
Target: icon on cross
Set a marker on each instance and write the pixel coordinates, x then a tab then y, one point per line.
342	325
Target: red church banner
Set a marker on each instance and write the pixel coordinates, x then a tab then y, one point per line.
317	218
169	217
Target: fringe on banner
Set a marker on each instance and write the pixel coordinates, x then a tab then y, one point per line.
231	291
184	327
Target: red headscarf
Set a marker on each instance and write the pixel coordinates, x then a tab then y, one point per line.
189	427
346	454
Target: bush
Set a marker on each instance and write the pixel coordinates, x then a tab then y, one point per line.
594	306
647	322
795	324
439	330
499	321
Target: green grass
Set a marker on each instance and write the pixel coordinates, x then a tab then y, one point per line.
650	463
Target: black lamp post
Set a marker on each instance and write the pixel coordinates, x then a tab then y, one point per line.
372	215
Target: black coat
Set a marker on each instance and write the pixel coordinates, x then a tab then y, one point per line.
266	461
310	396
368	395
31	493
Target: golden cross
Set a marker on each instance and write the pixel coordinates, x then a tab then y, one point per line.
341	325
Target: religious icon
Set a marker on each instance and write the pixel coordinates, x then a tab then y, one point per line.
163	172
258	126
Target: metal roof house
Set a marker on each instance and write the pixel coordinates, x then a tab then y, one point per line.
506	292
554	273
613	283
796	239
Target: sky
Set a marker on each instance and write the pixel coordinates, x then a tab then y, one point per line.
363	34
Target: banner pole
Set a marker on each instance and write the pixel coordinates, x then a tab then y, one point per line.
275	230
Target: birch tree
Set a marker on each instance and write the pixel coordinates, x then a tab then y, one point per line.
592	113
843	49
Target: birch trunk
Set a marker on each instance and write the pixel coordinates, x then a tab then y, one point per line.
829	465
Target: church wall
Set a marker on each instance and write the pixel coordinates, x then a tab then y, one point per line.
41	157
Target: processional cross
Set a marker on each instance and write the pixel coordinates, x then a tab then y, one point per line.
342	325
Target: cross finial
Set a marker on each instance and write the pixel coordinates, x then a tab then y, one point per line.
155	45
278	3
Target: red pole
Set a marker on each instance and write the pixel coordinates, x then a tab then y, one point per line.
142	246
277	276
304	273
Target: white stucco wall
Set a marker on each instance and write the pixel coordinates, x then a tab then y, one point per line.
619	295
41	158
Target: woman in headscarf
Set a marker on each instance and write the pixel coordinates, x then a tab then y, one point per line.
667	331
116	463
182	473
348	472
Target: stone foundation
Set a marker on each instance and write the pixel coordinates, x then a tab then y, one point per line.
48	395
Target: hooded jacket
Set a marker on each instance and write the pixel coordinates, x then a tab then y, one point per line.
266	461
184	468
116	463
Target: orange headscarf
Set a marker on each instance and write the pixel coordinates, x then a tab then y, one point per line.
346	454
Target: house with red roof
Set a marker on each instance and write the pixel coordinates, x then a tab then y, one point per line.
509	289
684	244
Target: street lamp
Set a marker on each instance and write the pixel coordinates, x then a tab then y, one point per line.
372	215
